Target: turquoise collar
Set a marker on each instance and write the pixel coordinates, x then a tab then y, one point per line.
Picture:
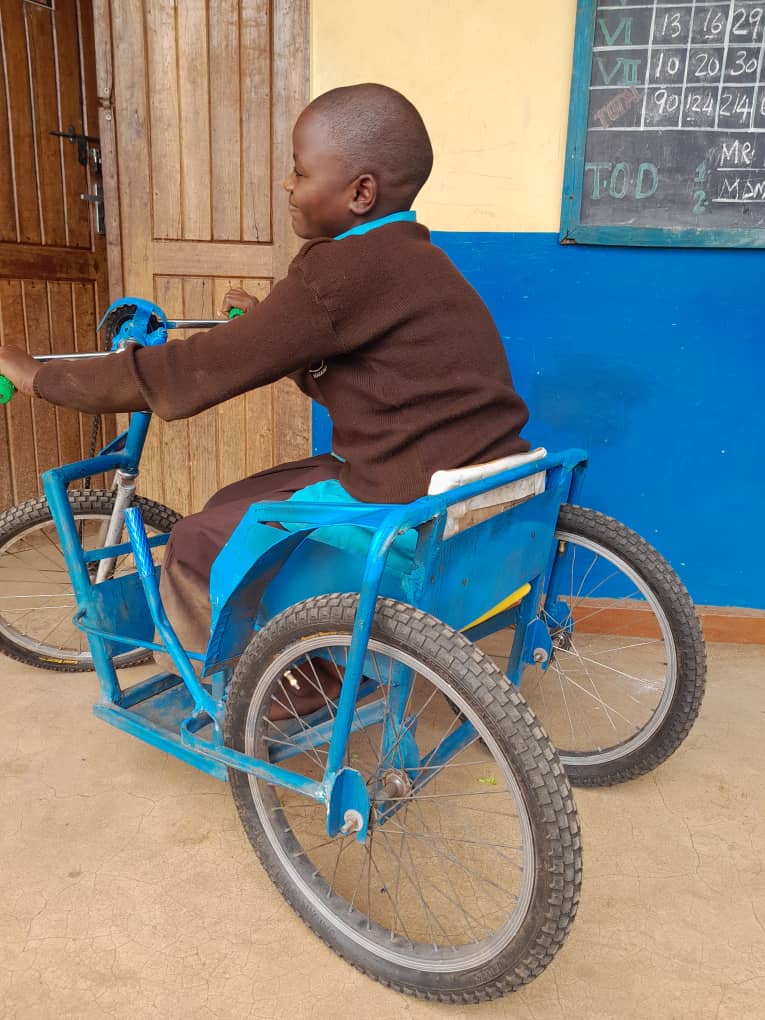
409	216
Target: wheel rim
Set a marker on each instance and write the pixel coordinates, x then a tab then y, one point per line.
382	895
605	692
36	592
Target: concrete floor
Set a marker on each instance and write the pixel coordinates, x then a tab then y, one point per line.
128	889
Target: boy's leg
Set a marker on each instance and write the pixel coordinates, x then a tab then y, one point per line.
196	541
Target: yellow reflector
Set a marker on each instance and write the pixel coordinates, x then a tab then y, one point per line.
508	603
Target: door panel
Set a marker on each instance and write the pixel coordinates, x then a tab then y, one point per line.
22	124
8	227
203	141
51	164
239	428
53	283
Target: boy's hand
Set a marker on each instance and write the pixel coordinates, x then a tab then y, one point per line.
20	367
237	298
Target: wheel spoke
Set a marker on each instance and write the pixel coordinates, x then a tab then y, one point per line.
632	644
604	665
414	879
392	827
430	836
596	692
443	869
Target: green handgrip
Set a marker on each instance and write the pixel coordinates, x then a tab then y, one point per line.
233	312
7	389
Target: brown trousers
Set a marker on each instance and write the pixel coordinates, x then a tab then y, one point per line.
196	541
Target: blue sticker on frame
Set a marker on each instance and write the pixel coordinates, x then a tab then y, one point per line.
666	133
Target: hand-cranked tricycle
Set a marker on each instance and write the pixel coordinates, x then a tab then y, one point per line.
420	820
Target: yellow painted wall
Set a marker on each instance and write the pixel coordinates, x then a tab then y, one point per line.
491	79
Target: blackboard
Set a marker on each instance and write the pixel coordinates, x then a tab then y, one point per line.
667	125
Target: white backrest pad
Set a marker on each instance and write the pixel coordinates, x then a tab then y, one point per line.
443	481
471	511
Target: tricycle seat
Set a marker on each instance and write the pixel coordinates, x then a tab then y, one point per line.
471	511
499	540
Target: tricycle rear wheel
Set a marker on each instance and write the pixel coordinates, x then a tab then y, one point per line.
628	668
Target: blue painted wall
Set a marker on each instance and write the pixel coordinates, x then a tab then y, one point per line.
654	361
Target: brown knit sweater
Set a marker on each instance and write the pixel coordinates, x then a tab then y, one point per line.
381	328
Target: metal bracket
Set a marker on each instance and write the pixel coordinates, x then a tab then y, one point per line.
348	805
558	615
98	201
537	645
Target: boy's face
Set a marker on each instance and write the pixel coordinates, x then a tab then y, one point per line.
321	198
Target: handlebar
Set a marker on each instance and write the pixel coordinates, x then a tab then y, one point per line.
7	389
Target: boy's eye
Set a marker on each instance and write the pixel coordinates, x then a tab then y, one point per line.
296	172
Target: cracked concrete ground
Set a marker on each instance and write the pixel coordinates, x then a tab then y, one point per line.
128	889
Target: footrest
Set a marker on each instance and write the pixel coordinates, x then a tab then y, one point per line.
154	711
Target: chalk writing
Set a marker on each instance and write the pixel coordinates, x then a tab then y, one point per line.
615	108
619	70
655	48
676	115
620	179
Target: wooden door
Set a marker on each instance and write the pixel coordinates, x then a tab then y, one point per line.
53	281
202	96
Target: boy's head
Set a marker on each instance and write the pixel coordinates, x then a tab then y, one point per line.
360	152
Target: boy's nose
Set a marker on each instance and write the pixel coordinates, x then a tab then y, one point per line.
287	183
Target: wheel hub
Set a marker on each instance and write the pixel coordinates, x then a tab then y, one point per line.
396	784
562	639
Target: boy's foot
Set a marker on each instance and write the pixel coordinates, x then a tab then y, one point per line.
300	696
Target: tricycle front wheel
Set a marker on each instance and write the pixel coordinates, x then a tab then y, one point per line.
36	599
468	879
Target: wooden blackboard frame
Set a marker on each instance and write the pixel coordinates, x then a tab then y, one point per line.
572	230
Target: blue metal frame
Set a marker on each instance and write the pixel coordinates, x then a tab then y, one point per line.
342	789
572	230
175	711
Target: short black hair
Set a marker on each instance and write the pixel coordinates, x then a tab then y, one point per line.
377	130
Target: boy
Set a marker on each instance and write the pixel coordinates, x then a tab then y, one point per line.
372	320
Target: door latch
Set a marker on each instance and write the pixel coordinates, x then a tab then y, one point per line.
88	152
82	142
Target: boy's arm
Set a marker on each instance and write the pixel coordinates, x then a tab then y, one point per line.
285	332
20	368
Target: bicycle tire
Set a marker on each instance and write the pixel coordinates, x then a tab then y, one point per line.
510	736
677	648
18	525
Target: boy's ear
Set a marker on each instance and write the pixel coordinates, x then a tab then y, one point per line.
363	194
